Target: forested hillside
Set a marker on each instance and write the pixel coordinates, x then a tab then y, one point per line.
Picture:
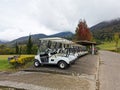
105	30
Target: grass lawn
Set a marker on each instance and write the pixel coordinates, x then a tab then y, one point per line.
4	65
108	46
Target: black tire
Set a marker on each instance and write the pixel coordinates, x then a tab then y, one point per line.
73	62
36	63
62	65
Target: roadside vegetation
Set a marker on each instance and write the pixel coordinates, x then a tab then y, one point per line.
5	65
20	56
18	48
113	45
110	46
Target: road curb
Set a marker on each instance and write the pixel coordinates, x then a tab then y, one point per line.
97	74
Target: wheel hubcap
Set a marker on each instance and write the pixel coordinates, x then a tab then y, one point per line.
36	64
62	65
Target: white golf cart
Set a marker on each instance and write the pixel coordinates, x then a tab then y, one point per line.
51	54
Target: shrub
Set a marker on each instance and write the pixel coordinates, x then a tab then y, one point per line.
22	60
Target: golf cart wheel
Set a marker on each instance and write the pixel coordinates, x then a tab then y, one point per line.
36	63
62	65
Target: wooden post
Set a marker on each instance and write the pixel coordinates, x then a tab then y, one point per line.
93	49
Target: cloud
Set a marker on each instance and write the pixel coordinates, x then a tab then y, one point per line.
21	17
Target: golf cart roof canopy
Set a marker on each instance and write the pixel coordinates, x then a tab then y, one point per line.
78	45
57	39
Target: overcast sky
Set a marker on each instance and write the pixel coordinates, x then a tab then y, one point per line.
23	17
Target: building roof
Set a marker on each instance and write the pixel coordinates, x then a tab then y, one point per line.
57	39
85	42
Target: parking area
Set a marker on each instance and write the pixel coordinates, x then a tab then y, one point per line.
84	65
44	78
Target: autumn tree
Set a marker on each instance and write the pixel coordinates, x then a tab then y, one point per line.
83	32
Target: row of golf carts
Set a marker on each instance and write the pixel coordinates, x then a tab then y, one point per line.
58	51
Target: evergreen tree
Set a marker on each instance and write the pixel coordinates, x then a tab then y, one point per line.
17	48
49	44
20	50
29	45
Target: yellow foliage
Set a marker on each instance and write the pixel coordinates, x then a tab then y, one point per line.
21	60
12	61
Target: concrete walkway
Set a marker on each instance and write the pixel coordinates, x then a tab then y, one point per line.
109	74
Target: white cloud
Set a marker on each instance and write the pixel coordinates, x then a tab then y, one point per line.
21	17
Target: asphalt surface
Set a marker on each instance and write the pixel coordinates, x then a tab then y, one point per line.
84	71
84	65
44	81
109	74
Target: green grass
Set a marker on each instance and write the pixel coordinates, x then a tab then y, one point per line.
5	66
110	46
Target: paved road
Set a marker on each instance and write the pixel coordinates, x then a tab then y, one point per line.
109	74
84	65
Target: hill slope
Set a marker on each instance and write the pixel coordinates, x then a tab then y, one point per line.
36	37
105	30
62	34
23	40
1	42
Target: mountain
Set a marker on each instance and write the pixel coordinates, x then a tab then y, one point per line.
62	34
105	30
23	40
36	37
2	41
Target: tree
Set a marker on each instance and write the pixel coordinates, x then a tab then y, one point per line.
83	32
35	49
20	50
116	39
17	48
29	45
49	44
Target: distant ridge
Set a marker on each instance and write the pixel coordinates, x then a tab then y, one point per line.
36	37
25	38
62	34
1	42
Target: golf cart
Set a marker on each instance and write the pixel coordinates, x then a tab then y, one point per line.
52	51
